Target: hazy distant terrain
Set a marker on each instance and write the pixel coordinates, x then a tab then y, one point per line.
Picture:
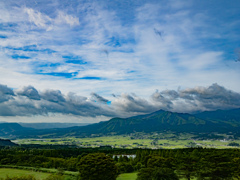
51	125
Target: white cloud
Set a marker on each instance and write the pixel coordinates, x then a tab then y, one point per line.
202	61
39	19
66	18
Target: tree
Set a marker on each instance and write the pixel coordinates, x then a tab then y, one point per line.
187	166
157	173
97	166
215	166
145	174
235	168
233	144
157	168
164	174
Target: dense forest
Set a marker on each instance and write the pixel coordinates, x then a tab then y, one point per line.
151	164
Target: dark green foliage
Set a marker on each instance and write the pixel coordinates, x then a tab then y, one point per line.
157	168
186	163
6	142
157	174
97	166
163	174
235	168
124	167
157	161
215	166
145	174
233	144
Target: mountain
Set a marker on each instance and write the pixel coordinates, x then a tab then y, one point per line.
221	121
162	121
231	117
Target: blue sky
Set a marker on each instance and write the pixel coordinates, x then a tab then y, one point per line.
118	58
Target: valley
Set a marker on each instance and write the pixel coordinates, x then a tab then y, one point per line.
167	141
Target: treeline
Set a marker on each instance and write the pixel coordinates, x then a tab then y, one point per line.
192	162
59	157
214	164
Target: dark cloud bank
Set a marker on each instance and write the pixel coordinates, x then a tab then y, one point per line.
28	101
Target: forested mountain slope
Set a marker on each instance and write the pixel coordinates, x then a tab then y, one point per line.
164	121
222	121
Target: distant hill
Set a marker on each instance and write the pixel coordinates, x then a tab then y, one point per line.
6	142
51	125
9	129
221	121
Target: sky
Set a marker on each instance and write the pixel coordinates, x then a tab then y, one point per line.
91	60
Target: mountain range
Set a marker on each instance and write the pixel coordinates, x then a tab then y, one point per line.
220	121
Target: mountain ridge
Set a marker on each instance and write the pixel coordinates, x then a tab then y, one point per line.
160	121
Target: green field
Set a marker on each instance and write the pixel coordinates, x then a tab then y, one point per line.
19	172
10	172
130	142
127	176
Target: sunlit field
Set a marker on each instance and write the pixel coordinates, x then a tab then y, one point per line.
127	176
129	142
4	172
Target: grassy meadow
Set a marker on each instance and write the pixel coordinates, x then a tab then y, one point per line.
4	172
10	172
127	176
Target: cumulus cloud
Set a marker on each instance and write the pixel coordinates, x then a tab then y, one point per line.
27	101
6	90
132	104
30	92
5	93
98	98
198	99
53	96
213	97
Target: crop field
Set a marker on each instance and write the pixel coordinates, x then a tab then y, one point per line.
129	142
